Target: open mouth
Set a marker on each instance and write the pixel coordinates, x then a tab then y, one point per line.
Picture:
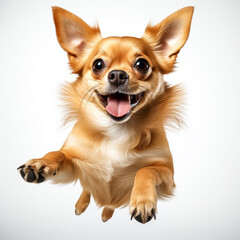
119	105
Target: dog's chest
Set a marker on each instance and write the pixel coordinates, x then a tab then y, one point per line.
114	149
103	159
111	157
115	153
104	166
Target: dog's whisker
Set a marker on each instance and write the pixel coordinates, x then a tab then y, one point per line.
88	100
140	86
90	97
91	90
136	88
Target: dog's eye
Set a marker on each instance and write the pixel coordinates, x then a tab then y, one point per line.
98	65
142	65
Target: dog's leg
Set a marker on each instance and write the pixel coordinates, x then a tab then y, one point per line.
107	213
53	163
82	202
143	201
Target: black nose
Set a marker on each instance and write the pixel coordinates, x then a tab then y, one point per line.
117	77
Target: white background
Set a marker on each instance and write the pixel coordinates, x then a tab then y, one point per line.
206	152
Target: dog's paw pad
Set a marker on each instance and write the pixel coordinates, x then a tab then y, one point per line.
31	177
141	218
36	171
41	178
143	209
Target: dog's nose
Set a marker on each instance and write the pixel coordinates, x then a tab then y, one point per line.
118	77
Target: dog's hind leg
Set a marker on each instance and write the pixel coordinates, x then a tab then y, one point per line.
107	213
82	202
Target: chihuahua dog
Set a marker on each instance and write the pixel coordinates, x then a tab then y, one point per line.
121	104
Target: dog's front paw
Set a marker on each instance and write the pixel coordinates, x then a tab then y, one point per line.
38	170
143	207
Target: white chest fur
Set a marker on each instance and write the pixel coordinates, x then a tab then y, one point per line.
100	160
115	146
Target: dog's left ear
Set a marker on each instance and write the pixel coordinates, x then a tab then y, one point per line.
169	36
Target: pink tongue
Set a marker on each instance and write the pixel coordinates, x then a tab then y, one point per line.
118	106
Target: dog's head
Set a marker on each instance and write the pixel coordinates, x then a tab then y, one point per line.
121	75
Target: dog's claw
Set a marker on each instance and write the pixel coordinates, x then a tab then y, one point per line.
154	214
22	166
134	212
22	173
140	217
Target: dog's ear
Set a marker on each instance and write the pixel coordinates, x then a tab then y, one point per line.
73	34
169	36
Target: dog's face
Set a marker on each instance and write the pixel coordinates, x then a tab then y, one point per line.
121	74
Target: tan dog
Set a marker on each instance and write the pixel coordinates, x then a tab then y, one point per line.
118	147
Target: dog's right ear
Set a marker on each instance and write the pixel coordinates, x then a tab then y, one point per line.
73	34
